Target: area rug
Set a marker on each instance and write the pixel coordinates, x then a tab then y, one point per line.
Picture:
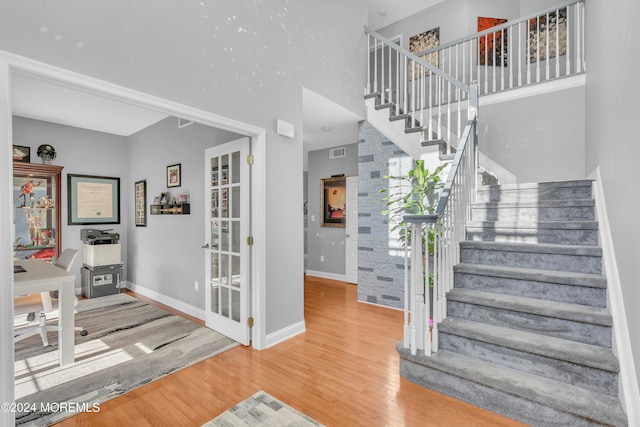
262	410
129	344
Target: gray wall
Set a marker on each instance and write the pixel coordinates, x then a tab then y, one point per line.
538	138
83	152
380	256
612	137
166	256
327	241
243	60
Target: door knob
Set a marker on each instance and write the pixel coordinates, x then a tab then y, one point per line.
206	246
348	235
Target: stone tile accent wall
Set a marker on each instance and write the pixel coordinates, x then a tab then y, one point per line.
380	256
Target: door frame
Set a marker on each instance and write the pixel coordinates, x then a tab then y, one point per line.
10	63
352	185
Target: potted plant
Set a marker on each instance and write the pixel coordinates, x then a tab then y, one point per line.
420	196
414	194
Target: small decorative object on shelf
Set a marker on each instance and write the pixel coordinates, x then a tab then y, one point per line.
171	209
47	153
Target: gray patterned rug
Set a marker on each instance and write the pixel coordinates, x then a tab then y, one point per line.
130	343
262	410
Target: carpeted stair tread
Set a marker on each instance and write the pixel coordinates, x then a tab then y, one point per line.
535	225
559	310
592	405
532	274
547	248
557	204
537	185
557	348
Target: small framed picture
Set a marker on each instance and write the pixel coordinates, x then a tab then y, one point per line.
164	198
156	200
183	198
21	154
140	209
173	176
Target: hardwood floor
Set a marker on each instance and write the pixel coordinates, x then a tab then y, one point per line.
343	371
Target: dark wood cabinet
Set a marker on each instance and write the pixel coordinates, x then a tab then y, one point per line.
36	199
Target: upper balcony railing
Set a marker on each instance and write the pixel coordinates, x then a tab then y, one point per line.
540	47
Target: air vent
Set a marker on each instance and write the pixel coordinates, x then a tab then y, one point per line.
336	153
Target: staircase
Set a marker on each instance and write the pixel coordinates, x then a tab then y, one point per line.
527	332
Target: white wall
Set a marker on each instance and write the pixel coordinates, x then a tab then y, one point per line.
612	94
537	138
243	60
456	19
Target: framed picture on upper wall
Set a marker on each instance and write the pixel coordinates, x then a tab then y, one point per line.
173	176
140	203
421	43
493	46
93	199
21	154
333	202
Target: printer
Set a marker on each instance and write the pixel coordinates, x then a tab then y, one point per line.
101	262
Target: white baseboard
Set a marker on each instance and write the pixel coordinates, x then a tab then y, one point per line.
285	334
163	299
630	393
325	275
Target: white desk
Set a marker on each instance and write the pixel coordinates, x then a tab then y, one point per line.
43	277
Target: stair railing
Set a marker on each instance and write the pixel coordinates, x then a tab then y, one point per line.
543	46
435	243
415	90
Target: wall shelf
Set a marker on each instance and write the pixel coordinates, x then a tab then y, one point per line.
169	209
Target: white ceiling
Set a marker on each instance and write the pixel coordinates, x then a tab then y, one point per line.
50	101
47	100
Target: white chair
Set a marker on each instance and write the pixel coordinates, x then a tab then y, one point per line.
42	304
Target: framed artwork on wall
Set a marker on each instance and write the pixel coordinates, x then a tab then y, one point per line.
421	43
333	202
93	199
544	31
493	46
173	176
140	203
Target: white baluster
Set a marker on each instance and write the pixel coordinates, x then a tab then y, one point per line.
368	90
375	65
538	50
407	329
558	43
567	71
548	44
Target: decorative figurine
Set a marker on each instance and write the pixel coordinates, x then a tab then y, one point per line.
27	189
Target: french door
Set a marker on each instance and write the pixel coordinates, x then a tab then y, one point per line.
227	244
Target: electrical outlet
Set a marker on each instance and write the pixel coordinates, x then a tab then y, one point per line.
321	258
197	286
313	218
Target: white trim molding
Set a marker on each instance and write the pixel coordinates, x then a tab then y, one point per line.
285	333
188	309
533	90
325	275
629	391
7	368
